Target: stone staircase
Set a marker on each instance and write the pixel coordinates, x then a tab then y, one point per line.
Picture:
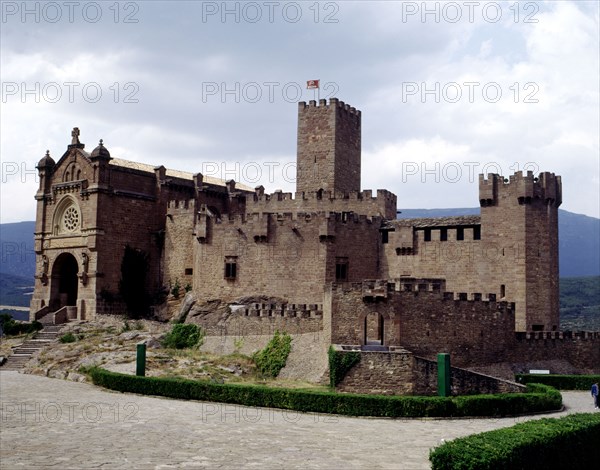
22	353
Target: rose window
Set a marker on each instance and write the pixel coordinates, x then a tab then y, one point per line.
71	219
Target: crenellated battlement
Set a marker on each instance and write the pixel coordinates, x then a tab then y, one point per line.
253	218
558	335
322	105
362	202
181	206
519	188
284	310
383	288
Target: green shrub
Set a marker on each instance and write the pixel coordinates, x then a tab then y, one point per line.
175	289
273	357
10	327
561	382
569	442
67	338
184	335
339	364
541	398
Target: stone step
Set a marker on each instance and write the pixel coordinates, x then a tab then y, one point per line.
23	352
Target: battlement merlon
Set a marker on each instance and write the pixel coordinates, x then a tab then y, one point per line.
435	288
522	189
359	202
333	103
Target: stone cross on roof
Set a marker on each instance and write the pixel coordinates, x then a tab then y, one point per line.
75	135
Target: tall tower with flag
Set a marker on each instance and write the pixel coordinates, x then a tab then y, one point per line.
329	141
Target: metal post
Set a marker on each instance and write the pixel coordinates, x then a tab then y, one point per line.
443	360
140	367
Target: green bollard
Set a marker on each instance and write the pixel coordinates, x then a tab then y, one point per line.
444	388
140	368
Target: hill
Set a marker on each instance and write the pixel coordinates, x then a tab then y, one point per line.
580	303
15	290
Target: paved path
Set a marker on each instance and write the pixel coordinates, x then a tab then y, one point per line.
51	423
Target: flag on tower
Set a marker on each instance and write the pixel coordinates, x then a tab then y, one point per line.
312	84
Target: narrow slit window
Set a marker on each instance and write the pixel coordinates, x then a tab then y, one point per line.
427	234
477	232
444	234
460	233
341	269
230	269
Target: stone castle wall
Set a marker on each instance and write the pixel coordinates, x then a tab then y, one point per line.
382	204
399	372
419	316
511	250
179	243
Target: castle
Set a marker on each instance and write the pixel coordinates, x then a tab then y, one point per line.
331	252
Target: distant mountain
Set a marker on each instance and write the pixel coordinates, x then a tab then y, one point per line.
580	303
15	290
578	237
16	244
579	242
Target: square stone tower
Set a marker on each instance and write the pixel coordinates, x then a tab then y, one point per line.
519	229
328	147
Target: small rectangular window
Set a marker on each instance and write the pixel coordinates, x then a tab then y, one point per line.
384	236
230	268
477	232
444	234
502	291
189	271
341	269
427	234
460	233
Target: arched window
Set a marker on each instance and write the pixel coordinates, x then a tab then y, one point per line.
67	217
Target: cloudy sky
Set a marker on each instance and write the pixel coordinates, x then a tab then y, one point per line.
447	90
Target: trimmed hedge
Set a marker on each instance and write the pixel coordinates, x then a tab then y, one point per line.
550	443
561	382
538	398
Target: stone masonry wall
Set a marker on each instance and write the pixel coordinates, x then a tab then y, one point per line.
179	243
516	257
381	373
277	256
399	372
426	322
285	255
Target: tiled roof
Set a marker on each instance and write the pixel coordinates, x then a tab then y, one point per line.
173	173
439	221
